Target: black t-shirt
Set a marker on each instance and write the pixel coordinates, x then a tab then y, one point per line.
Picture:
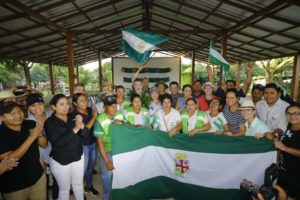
66	145
288	162
29	170
88	136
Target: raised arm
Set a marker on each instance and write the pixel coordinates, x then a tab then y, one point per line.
248	79
238	76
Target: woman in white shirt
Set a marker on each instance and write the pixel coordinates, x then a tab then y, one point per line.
167	119
217	120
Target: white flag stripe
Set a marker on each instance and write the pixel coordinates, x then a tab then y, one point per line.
217	55
221	171
136	43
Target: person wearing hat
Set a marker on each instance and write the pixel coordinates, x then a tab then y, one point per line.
102	134
155	104
181	101
20	139
254	126
36	112
204	100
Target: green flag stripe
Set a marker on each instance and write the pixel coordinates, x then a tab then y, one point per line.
146	70
137	138
169	188
151	80
133	54
215	61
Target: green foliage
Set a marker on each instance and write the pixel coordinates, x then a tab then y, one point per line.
107	72
39	73
10	70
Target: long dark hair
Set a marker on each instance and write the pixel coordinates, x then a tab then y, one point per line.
76	97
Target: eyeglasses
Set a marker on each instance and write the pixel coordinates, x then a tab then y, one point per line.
295	113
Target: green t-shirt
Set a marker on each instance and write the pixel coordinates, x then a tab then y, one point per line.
101	128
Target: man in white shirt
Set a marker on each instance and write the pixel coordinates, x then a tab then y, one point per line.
271	109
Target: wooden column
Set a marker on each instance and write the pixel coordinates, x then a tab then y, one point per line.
70	62
224	53
77	74
193	66
100	69
52	86
295	80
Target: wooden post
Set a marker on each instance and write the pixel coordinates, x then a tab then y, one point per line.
295	80
70	63
193	66
77	74
224	54
100	69
52	86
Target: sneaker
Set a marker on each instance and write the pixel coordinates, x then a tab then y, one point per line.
91	191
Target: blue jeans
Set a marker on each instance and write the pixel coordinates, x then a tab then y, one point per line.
106	177
90	156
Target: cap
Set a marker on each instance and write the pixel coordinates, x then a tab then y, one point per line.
7	107
109	100
34	98
209	84
247	104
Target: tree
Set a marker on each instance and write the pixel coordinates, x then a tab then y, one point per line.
26	67
9	70
39	73
276	66
107	72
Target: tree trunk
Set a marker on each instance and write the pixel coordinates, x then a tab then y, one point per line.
26	66
27	75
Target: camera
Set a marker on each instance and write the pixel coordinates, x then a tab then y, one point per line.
266	190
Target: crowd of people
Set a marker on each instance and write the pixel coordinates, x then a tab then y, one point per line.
69	138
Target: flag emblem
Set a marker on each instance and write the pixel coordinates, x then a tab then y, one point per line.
181	165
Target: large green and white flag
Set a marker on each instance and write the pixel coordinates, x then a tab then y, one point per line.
150	165
216	58
138	45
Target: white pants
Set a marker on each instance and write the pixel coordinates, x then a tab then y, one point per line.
66	175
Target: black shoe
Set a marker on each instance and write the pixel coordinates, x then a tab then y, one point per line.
91	191
94	171
84	197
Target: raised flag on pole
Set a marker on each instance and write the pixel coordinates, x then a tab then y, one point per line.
216	58
150	165
138	45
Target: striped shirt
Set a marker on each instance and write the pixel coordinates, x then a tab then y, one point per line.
234	119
